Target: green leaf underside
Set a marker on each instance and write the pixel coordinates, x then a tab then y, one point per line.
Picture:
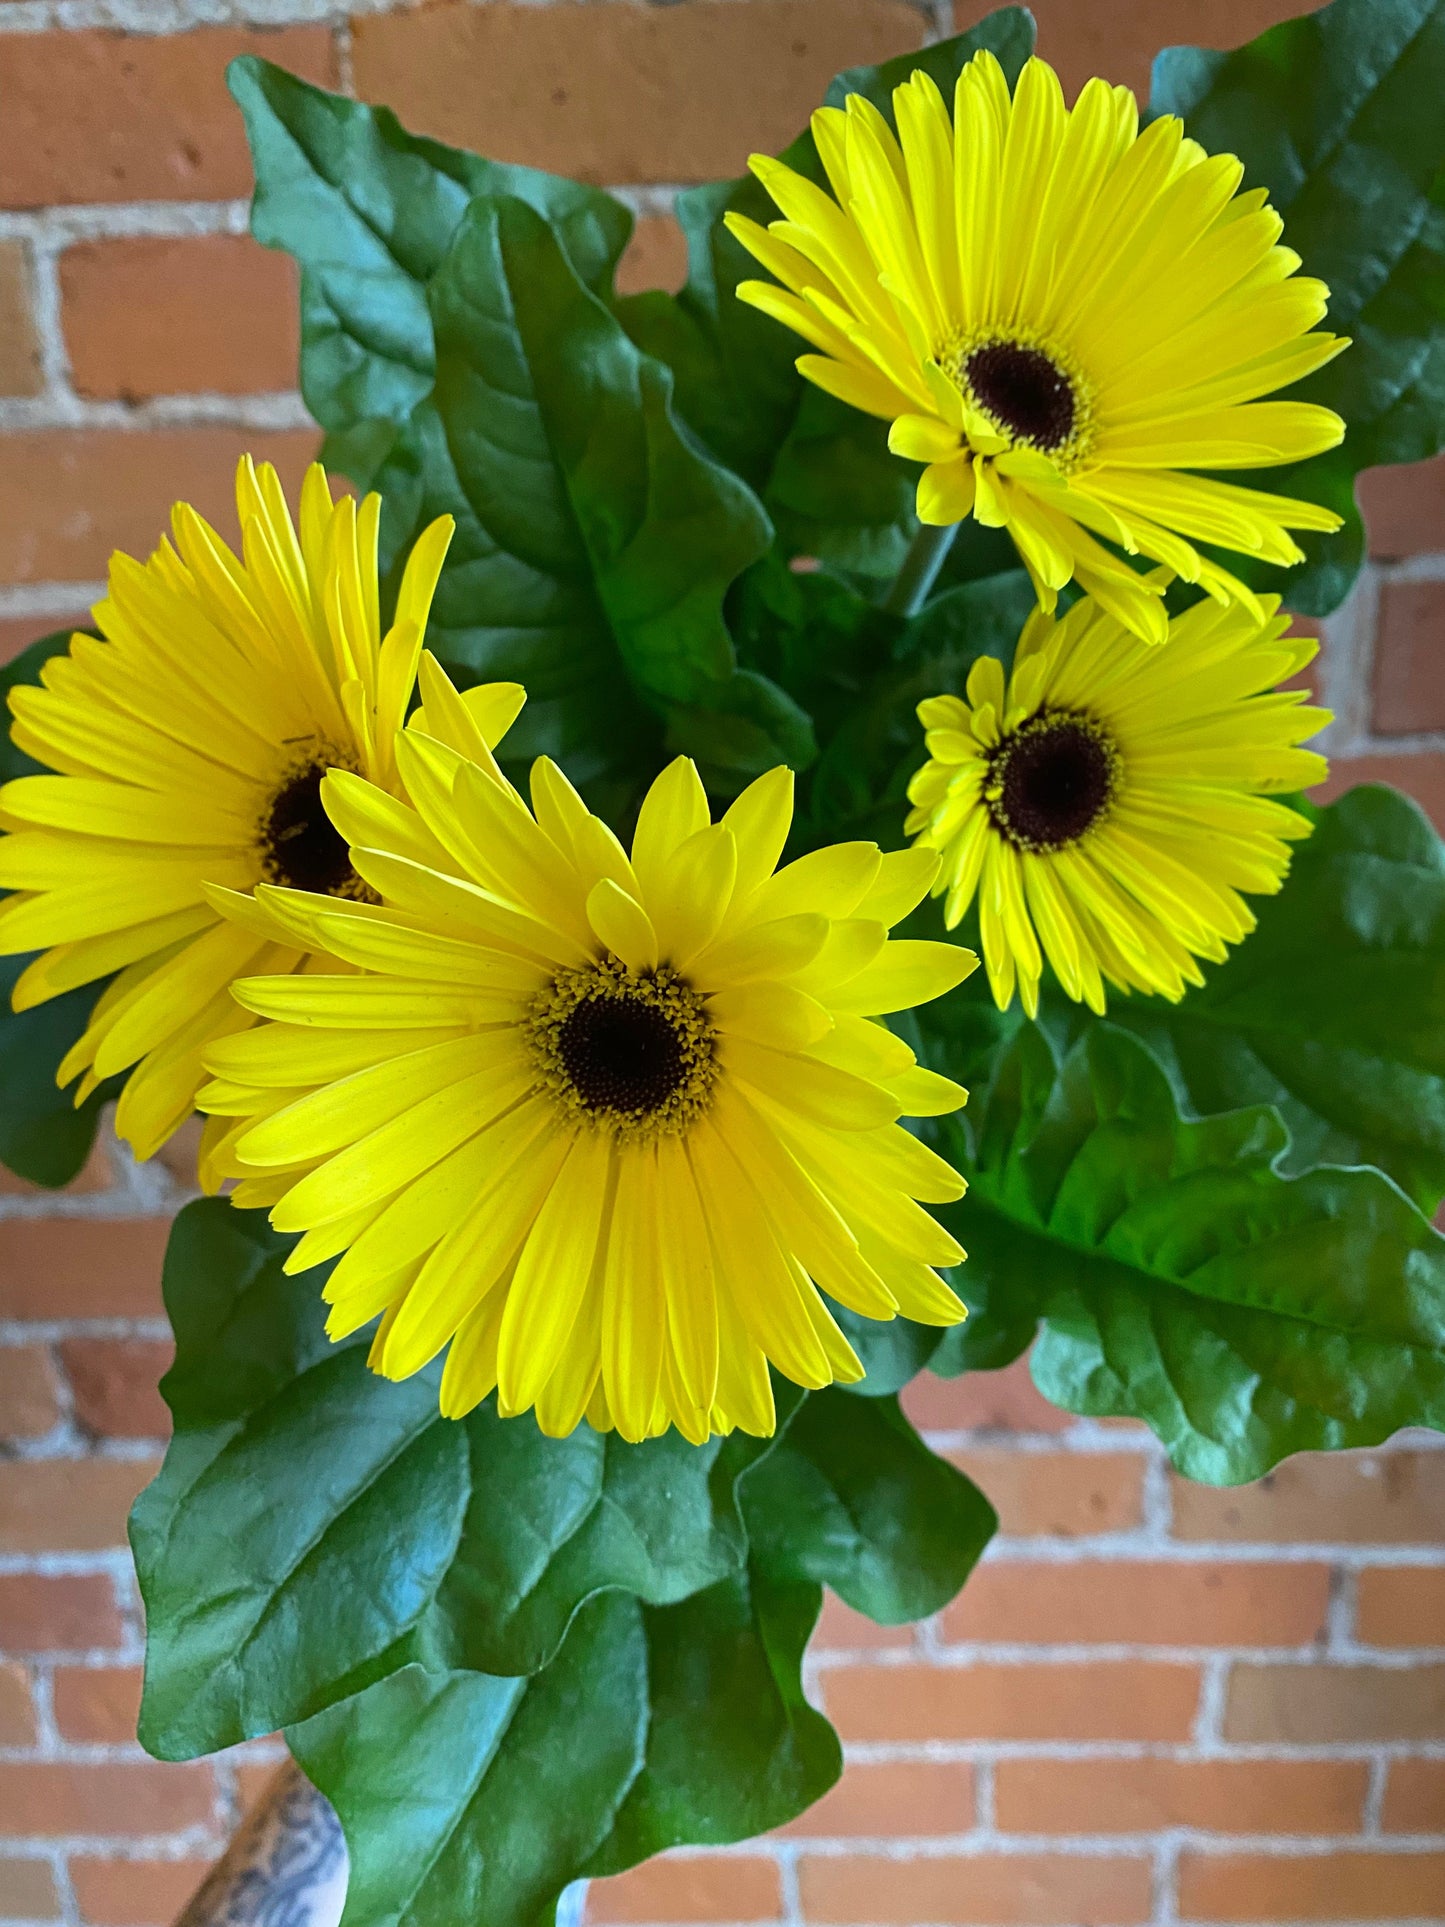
1243	1315
44	1137
1337	114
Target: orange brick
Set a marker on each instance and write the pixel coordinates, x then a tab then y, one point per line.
622	94
69	496
731	1887
656	257
1129	1602
68	1505
159	122
17	1718
1072	1890
1410	658
1053	1494
1336	1886
1386	1498
253	1779
894	1799
28	1406
232	326
130	1799
1003	1401
1404	507
1119	38
29	1890
134	1893
1214	1796
1107	1700
1330	1705
1415	1797
1420	773
19	345
1401	1606
82	1267
114	1381
97	1703
69	1614
841	1629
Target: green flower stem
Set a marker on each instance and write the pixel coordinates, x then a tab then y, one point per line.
920	570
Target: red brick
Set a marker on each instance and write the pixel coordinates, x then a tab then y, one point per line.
69	496
28	1406
731	1887
1410	658
130	1799
19	345
69	1614
97	1703
1055	1890
1213	1796
114	1381
17	1719
1401	1606
29	1890
1420	773
656	256
1059	1494
1404	507
1336	1886
840	1629
1384	1498
892	1799
1334	1705
1415	1797
1119	38
82	1267
68	1505
159	124
1129	1602
1004	1401
231	317
1106	1700
134	1893
625	93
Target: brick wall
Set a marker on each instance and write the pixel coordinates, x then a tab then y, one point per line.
1155	1703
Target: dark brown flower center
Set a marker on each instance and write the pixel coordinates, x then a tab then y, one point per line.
621	1055
300	847
1025	391
1051	781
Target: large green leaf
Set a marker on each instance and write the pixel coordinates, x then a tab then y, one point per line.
44	1136
1181	1278
595	541
1337	114
369	211
823	469
1334	1010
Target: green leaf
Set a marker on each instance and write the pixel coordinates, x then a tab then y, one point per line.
306	1510
468	1798
891	1527
595	541
369	211
1337	114
44	1136
822	469
1182	1280
1333	1011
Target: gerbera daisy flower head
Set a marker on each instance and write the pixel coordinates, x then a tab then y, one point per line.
186	749
1109	804
608	1125
1059	314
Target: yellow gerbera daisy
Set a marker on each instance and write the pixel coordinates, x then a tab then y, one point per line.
1108	803
189	747
607	1125
1057	313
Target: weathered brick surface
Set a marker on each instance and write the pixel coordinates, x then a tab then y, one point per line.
103	1797
1382	1498
1401	1606
96	1704
68	1505
1343	1886
81	1267
133	1893
1410	658
17	1716
902	1799
114	1384
65	1613
1104	1700
735	1887
29	1402
1404	507
1212	1796
1064	1494
30	1892
1323	1704
1005	1401
19	342
1414	1797
997	1889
